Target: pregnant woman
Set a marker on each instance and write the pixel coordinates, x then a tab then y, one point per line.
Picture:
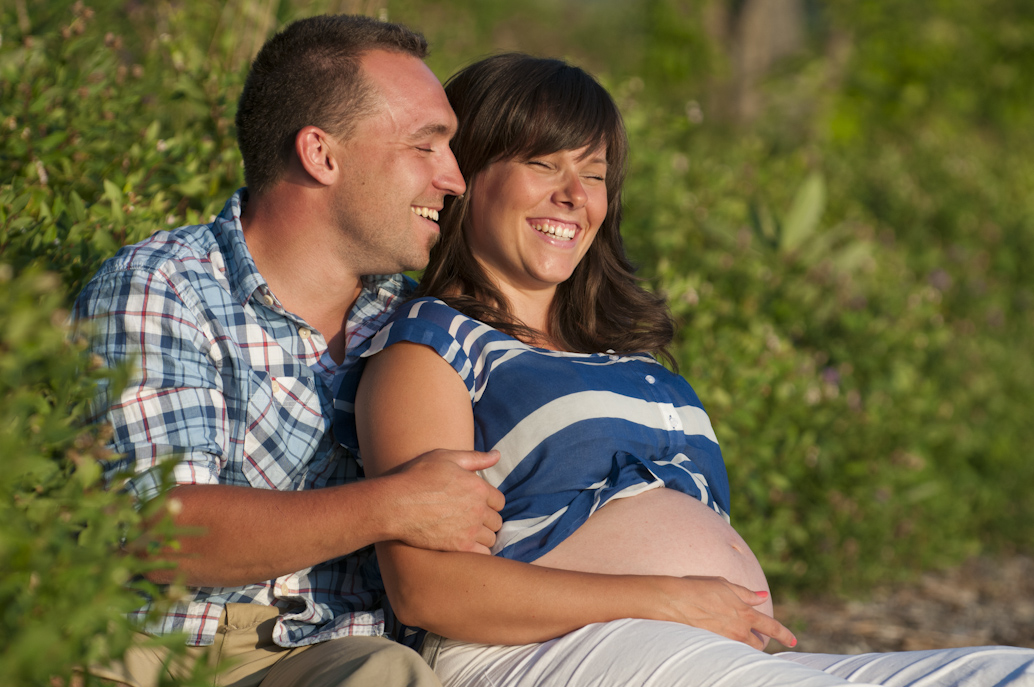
616	563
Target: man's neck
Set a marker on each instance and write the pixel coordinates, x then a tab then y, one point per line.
303	272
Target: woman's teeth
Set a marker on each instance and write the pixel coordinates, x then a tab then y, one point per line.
562	233
425	212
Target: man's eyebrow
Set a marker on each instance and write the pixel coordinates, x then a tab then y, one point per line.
434	129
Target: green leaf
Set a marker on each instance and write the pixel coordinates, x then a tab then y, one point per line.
805	213
22	223
764	225
853	257
19	203
113	193
52	141
76	207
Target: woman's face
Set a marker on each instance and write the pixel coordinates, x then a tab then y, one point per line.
532	221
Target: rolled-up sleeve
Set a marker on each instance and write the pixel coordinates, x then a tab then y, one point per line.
173	405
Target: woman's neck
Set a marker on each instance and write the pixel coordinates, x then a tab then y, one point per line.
532	310
529	311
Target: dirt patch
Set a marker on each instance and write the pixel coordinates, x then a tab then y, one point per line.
985	601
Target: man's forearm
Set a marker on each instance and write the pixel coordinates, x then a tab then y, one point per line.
245	535
248	535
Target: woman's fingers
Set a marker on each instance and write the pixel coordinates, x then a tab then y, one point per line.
762	623
715	604
772	628
756	598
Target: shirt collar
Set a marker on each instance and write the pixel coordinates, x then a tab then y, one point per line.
241	271
380	292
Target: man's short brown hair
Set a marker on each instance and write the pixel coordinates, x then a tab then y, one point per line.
309	75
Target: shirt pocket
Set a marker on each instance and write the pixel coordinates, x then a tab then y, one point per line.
285	425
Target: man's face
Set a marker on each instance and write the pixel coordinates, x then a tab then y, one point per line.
397	167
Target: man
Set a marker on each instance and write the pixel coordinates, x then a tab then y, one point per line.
238	329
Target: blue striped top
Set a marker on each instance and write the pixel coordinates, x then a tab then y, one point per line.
575	430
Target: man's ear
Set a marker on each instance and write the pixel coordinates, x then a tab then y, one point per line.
317	152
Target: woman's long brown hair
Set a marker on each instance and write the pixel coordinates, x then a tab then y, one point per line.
517	107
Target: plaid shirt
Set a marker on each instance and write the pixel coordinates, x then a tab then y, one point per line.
242	391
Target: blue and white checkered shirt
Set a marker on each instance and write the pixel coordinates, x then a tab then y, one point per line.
241	391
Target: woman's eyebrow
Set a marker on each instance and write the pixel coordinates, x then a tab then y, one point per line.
600	158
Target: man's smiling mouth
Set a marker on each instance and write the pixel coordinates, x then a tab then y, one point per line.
425	212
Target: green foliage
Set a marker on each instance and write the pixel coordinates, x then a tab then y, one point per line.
855	317
938	59
95	160
849	272
105	150
66	580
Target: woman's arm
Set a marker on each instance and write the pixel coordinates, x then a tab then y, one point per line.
411	401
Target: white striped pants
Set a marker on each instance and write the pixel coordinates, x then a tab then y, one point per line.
650	653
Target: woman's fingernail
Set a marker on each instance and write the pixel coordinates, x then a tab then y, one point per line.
793	642
763	595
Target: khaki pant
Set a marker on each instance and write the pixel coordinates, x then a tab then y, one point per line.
248	657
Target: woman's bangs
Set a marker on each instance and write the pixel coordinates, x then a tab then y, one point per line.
565	114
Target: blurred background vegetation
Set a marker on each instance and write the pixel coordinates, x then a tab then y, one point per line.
836	197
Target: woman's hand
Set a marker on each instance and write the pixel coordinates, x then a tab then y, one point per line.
719	606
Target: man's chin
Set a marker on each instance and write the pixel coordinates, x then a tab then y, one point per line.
426	256
416	265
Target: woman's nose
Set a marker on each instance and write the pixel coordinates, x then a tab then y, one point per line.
571	191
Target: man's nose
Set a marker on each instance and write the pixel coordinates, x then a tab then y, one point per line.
449	179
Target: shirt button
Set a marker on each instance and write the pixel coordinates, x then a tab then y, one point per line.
304	333
275	387
268	298
650	379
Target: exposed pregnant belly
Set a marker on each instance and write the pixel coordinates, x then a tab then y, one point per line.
660	532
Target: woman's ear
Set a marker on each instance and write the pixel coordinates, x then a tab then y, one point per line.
317	153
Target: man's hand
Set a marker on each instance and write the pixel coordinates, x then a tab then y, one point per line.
443	505
246	535
727	609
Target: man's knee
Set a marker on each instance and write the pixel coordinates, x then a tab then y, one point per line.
394	664
146	665
354	662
